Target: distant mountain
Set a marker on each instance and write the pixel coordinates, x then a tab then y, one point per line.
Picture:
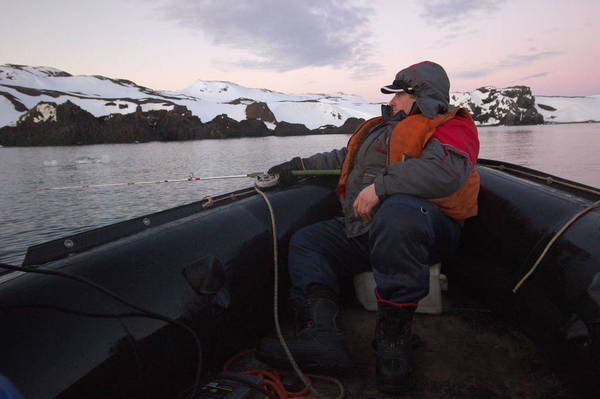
23	87
214	109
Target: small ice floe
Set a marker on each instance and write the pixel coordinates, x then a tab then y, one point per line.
85	160
103	159
53	162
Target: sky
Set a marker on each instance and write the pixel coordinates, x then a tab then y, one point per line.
311	46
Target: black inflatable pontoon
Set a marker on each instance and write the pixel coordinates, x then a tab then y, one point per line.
209	266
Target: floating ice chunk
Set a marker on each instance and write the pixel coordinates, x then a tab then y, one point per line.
103	159
85	160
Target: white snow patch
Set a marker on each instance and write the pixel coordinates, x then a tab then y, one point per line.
224	92
314	115
157	107
570	109
44	113
207	111
8	114
47	113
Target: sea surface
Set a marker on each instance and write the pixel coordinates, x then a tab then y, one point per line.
30	214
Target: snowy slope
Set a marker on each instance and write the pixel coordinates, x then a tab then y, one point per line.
28	86
206	99
569	109
8	113
23	87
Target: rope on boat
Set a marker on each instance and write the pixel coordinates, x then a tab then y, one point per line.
301	375
272	379
295	366
191	178
552	241
209	201
548	180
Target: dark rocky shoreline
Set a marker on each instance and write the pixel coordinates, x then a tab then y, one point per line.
71	125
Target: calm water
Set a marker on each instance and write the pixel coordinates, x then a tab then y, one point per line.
31	215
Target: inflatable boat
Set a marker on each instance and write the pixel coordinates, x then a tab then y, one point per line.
148	307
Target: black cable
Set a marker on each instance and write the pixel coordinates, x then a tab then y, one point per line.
118	298
73	311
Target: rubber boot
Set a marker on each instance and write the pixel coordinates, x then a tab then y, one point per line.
315	340
394	367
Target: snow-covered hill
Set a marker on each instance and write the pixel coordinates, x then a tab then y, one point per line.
23	87
569	109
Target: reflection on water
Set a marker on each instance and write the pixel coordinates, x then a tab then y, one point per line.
31	215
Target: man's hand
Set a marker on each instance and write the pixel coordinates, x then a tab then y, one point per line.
283	170
366	200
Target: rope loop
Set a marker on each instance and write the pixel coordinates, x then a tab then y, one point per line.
208	202
559	233
307	383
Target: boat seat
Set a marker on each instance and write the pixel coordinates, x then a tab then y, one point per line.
364	285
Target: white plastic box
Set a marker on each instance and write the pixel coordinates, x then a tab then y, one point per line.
364	285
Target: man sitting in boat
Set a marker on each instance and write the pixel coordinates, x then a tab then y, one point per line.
408	179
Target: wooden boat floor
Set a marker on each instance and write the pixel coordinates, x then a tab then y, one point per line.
467	352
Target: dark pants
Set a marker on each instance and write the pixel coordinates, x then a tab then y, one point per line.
407	234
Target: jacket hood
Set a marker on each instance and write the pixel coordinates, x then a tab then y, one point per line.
428	82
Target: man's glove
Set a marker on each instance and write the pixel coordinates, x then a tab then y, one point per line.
284	169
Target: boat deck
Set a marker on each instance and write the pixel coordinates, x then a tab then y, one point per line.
466	352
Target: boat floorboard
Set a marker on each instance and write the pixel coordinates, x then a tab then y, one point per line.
466	352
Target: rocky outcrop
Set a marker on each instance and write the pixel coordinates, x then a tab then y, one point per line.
291	129
546	107
49	124
220	127
260	111
254	128
491	106
347	128
68	124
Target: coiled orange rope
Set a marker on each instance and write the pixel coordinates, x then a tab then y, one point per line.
272	379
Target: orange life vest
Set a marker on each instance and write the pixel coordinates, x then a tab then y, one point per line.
408	138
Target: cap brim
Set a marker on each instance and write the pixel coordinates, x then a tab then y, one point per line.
391	89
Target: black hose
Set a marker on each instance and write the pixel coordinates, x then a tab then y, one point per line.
142	312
